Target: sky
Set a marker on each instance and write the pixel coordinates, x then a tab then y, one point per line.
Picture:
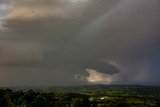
78	42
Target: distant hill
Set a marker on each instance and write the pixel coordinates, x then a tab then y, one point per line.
82	88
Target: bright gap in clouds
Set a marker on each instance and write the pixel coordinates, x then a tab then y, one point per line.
3	8
75	1
95	77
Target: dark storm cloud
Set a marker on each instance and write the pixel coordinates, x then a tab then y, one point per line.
56	41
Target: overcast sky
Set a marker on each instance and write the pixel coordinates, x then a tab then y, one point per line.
73	42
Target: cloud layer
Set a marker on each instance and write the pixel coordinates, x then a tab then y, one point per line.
66	42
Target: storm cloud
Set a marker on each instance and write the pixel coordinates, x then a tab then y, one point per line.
67	42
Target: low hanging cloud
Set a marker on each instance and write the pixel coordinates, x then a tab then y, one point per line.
66	42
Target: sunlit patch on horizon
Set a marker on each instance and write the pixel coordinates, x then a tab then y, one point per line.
95	77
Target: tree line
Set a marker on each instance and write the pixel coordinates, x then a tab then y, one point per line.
34	98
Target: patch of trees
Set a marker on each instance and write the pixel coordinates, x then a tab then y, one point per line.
109	98
31	98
